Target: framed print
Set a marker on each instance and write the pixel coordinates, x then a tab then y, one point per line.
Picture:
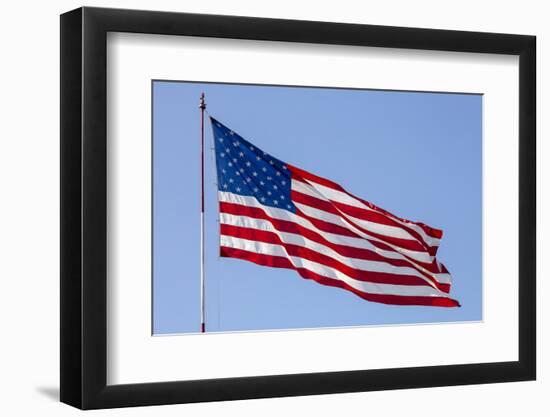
257	208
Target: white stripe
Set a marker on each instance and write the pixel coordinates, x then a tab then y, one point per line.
287	215
341	197
366	287
354	242
379	228
299	240
443	278
338	221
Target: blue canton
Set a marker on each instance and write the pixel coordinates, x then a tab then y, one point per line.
246	170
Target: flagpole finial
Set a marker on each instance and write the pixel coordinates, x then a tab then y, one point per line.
202	104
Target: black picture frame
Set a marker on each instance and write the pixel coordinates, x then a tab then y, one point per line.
84	197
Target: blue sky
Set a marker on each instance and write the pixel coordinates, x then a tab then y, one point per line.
415	154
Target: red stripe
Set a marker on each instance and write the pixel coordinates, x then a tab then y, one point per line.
376	217
261	214
291	227
300	174
340	230
280	262
415	245
357	212
364	214
306	253
354	252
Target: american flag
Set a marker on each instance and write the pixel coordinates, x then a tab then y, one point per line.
275	214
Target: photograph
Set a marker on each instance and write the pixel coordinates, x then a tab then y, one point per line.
275	208
314	208
257	207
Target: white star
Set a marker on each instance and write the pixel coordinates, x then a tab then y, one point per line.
241	154
222	154
231	180
284	166
282	197
238	189
262	183
223	170
264	169
271	162
288	206
278	173
248	164
248	179
262	198
252	148
227	150
274	187
235	160
219	125
255	173
237	172
269	178
264	154
225	186
230	164
275	202
269	193
242	169
258	158
220	139
231	132
255	189
236	143
283	182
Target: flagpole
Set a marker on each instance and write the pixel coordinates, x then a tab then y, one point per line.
202	106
